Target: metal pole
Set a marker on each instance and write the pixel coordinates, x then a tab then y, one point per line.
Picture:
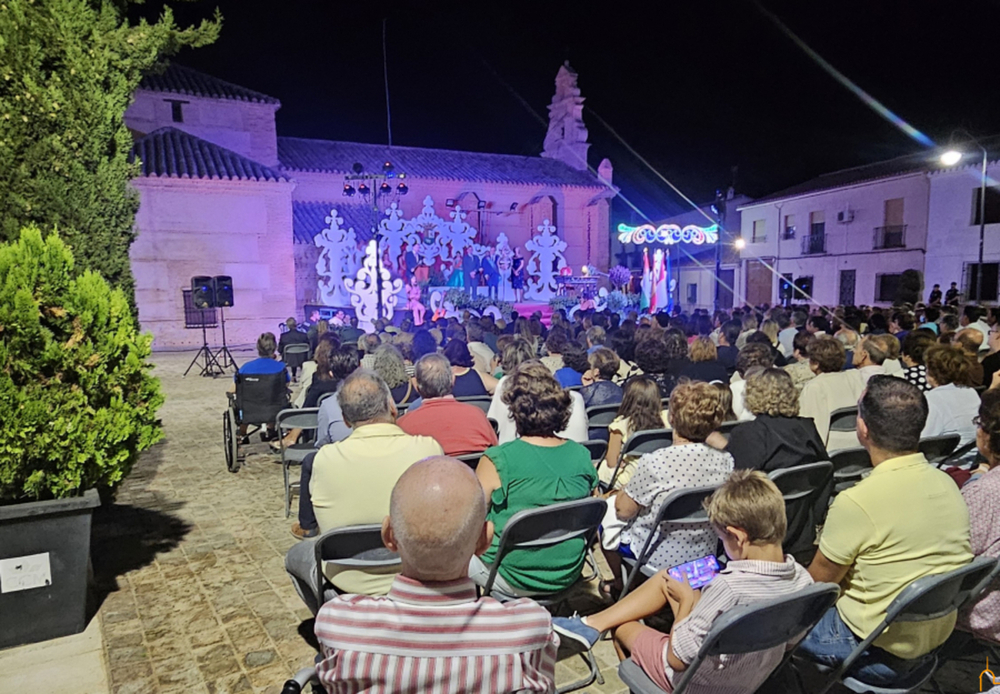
982	230
378	254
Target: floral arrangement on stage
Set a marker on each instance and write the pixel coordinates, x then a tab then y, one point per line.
460	299
563	302
620	301
619	277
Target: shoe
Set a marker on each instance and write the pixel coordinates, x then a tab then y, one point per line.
575	628
275	446
266	436
301	533
244	440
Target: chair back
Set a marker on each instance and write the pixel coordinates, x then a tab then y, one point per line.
323	397
537	528
577	388
260	397
844	419
470	459
296	354
806	490
480	401
849	466
937	448
351	547
597	450
647	441
681	507
306	418
602	415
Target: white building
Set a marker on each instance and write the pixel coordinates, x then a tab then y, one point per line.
847	237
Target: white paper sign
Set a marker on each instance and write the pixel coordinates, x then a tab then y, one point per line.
25	573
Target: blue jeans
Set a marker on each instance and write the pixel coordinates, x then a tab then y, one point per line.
831	641
307	518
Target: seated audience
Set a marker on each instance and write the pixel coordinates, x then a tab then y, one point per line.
387	362
760	337
891	346
436	523
991	363
915	345
970	341
703	364
333	364
695	412
951	404
460	428
748	514
598	386
367	344
554	346
905	520
830	390
596	337
725	400
537	469
868	357
292	336
352	479
315	332
575	365
482	353
752	358
651	356
798	363
468	381
641	410
777	437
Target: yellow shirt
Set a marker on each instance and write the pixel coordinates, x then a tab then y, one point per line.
905	520
352	481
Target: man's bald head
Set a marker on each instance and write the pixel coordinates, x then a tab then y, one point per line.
437	519
970	339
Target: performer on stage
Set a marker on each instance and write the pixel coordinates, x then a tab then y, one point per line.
491	273
413	293
517	275
470	270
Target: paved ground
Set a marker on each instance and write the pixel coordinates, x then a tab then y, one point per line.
193	595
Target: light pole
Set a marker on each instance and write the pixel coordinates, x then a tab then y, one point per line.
720	210
950	158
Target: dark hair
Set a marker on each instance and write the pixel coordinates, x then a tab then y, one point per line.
828	354
903	319
820	323
676	345
556	341
423	343
972	313
895	412
877	322
651	356
947	364
989	420
538	405
915	345
931	314
623	346
758	337
754	354
575	357
343	362
801	341
732	329
606	362
641	404
458	354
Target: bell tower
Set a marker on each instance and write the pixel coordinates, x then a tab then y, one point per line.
566	139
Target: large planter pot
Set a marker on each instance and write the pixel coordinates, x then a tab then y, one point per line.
44	556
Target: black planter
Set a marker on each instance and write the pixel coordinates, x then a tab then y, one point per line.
38	539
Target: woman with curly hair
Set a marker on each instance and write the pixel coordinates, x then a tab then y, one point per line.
652	357
388	363
695	412
951	404
539	468
778	437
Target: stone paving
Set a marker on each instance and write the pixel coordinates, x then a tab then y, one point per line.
189	562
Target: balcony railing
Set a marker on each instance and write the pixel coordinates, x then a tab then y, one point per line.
890	237
814	244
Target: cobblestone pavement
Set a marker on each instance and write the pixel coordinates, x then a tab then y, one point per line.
189	562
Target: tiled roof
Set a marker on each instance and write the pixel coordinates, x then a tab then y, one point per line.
176	154
177	79
309	218
298	154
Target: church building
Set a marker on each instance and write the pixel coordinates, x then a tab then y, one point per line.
289	219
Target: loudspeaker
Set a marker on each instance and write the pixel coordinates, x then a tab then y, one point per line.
223	291
203	292
785	288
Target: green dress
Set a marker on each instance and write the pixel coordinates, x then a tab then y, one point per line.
530	477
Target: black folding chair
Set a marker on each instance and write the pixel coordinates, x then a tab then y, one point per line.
537	528
726	428
597	449
937	448
357	547
481	401
849	467
748	629
927	598
306	419
844	419
598	419
642	442
470	459
295	355
806	490
682	508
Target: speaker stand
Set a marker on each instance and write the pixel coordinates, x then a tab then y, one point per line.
204	358
223	357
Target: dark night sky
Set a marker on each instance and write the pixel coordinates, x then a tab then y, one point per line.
695	87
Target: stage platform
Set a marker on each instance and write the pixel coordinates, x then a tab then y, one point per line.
526	309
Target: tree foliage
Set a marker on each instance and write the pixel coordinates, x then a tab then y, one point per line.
77	401
68	69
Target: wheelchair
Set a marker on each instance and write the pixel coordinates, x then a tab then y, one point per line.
257	401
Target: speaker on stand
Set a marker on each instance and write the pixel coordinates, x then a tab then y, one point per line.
224	300
203	296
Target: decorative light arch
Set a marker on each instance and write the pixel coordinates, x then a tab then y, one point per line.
668	234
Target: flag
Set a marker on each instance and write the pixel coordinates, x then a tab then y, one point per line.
647	282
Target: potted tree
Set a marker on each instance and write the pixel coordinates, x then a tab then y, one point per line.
77	406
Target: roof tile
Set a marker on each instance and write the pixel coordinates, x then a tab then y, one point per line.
177	79
176	154
309	218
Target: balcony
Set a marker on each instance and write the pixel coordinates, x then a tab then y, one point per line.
890	237
814	244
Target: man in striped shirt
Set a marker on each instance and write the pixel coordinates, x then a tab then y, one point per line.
431	633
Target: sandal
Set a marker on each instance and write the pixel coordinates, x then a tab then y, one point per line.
609	590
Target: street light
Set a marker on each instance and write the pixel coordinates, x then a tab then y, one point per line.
950	158
740	244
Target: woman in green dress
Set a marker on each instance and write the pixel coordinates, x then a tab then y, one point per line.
536	469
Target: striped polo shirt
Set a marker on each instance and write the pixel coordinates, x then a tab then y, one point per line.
436	638
740	583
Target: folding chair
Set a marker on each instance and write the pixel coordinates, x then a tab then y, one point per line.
849	467
598	419
351	547
641	442
681	508
597	450
295	355
538	528
726	428
323	397
748	629
927	598
306	419
481	401
806	490
938	448
844	419
470	459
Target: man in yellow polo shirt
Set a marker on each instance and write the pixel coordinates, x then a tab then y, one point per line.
905	520
352	481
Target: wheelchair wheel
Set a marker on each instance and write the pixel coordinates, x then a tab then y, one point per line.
231	433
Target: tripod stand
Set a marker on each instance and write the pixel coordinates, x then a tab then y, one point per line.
223	357
204	358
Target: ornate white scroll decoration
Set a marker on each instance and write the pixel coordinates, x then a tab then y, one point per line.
545	263
339	257
364	292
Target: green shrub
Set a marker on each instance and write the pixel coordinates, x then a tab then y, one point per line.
77	401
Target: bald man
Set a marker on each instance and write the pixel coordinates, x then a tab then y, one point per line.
431	628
